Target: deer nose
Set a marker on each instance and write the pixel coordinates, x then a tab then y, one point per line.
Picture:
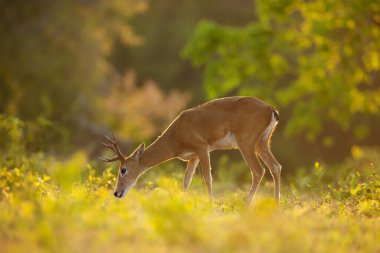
118	194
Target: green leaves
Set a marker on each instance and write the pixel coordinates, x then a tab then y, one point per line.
227	53
318	60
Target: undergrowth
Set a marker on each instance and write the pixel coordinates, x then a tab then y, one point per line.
67	206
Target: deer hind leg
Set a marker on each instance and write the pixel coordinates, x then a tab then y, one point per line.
265	154
204	158
190	170
248	152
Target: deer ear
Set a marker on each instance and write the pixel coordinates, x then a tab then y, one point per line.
139	151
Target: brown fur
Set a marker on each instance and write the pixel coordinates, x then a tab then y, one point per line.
192	134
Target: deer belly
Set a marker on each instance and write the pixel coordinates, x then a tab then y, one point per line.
227	142
187	156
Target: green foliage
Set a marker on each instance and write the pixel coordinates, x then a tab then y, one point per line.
25	184
53	61
318	59
351	188
361	196
165	26
69	207
12	135
21	137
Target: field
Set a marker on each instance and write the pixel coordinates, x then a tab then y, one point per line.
47	205
74	71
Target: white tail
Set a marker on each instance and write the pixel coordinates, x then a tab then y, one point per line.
245	123
270	128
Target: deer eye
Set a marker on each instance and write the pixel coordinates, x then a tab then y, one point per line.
123	171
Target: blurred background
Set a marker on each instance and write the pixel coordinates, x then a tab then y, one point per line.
72	71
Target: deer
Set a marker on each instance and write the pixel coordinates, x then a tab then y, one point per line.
238	122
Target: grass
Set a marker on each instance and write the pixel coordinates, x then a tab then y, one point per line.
54	206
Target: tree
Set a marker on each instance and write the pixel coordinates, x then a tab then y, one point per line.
318	60
53	61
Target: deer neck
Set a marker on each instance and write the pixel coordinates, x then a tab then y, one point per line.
158	152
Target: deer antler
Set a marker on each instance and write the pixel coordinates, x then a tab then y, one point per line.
112	144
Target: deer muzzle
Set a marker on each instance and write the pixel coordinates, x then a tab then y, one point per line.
118	194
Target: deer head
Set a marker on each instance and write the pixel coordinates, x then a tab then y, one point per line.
129	169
